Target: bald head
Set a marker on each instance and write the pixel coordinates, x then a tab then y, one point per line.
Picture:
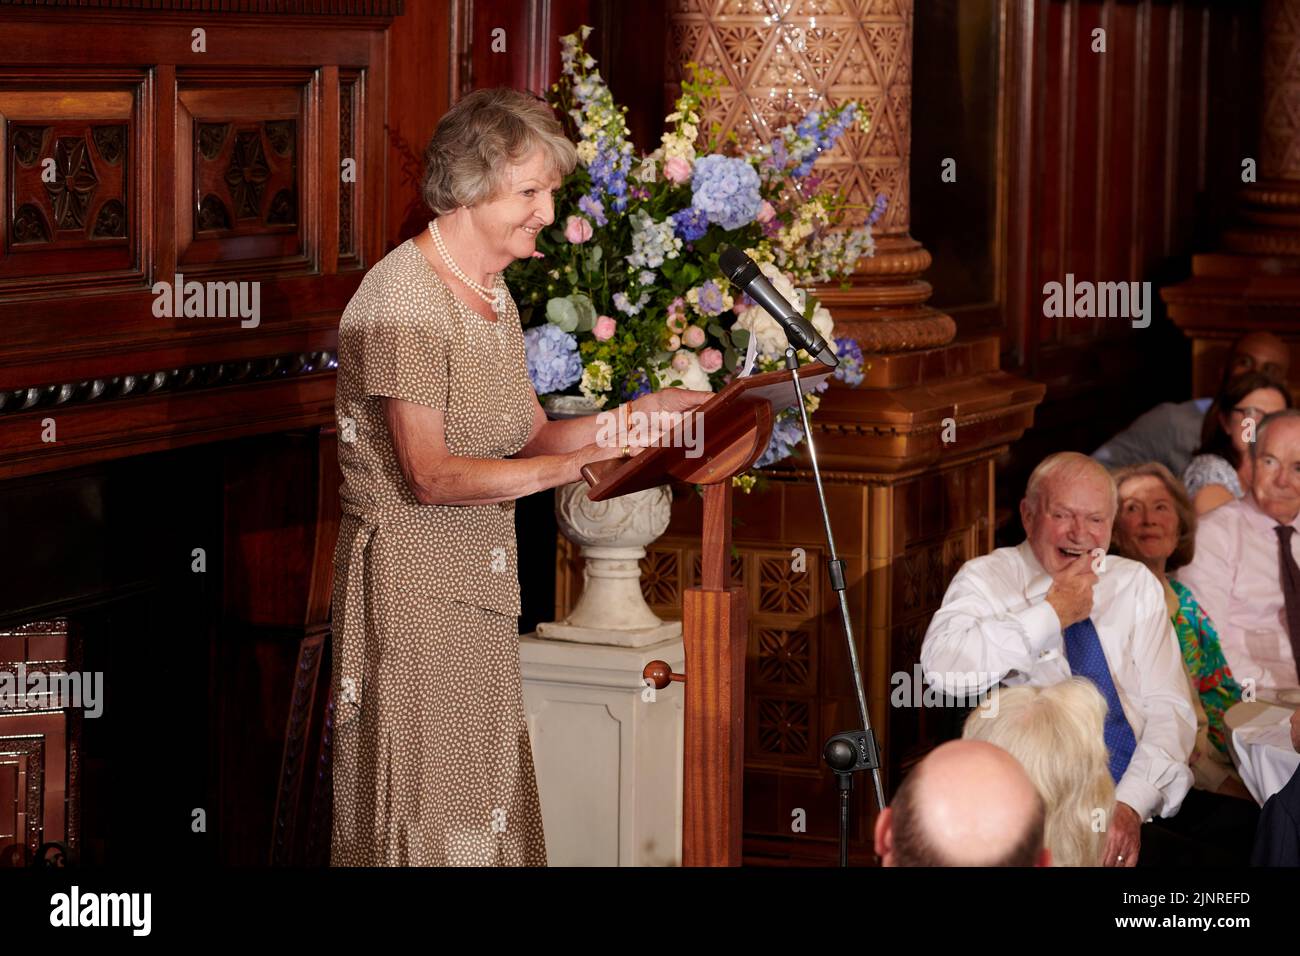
968	803
1259	352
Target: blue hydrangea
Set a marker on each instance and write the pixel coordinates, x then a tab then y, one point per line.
552	356
726	189
690	223
787	432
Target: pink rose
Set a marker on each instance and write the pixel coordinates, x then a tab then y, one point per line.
741	307
681	361
710	360
577	229
677	170
765	212
674	343
676	323
604	328
694	337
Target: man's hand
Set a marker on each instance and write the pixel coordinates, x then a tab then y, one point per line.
1123	837
1071	592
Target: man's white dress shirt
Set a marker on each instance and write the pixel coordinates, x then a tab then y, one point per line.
1236	578
995	621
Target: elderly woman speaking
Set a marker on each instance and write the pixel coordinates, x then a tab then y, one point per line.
440	432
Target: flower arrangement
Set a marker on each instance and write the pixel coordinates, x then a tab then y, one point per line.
624	295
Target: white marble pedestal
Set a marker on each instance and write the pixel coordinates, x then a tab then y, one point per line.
608	759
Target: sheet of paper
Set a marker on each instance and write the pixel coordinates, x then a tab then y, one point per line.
751	354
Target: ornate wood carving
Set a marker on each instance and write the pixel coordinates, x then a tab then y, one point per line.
236	175
68	184
783	58
347	151
225	374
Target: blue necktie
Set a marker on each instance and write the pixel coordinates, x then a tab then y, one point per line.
1087	659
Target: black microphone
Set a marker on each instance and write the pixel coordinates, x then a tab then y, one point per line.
745	275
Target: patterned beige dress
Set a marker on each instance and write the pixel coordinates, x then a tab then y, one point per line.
432	760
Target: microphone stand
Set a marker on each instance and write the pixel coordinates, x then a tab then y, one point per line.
848	752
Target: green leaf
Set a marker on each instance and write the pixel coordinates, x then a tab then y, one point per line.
586	312
717	331
561	312
731	358
740	338
593	257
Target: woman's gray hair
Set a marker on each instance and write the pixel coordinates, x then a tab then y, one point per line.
1185	546
1056	733
479	138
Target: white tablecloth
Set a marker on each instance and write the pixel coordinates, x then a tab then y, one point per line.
1260	742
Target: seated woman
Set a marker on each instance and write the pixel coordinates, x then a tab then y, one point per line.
1220	470
1056	733
1156	525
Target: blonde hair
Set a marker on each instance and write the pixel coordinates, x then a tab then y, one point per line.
1065	463
1056	733
479	138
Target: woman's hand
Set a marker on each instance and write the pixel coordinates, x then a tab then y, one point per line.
671	400
647	419
588	454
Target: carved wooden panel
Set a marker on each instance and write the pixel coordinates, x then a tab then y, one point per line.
350	99
240	149
72	179
38	762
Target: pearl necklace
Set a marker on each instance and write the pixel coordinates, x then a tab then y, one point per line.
495	297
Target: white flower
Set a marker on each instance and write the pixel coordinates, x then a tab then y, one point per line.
782	284
694	378
596	380
770	337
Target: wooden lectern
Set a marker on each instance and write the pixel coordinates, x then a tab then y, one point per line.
731	430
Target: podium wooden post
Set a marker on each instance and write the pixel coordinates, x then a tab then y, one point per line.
730	432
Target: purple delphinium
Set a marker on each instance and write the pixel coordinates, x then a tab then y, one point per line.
690	223
638	384
608	173
878	210
552	356
593	208
849	371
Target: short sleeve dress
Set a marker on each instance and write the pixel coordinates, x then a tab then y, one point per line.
432	759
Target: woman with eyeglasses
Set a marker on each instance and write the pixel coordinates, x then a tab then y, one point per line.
1220	471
